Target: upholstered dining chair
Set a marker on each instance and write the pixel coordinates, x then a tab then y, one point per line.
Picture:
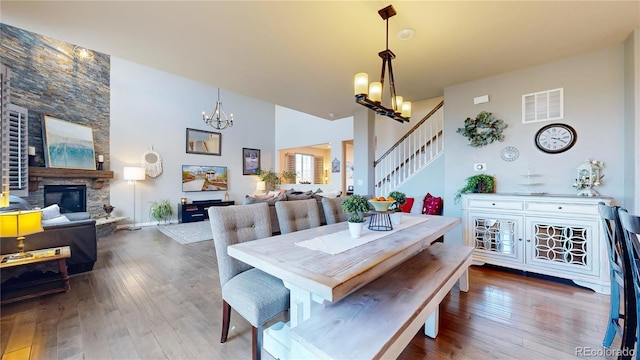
297	215
631	229
332	208
621	279
255	295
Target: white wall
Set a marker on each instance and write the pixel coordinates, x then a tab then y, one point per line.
154	108
631	198
593	98
297	129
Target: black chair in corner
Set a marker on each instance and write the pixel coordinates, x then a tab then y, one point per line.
621	281
631	229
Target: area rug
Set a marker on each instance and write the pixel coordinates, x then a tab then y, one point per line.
187	233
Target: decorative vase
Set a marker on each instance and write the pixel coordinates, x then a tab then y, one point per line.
396	217
355	229
108	209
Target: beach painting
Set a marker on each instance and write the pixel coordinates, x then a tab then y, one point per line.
204	178
68	145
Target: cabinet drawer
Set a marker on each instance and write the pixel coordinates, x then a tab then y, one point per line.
494	204
562	208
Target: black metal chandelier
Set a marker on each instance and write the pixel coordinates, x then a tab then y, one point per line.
370	95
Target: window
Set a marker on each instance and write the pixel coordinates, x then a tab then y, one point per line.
308	168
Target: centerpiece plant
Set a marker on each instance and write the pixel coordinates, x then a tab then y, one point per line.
356	205
399	198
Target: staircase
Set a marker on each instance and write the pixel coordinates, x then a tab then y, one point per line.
412	153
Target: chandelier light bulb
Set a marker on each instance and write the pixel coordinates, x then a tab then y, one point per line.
361	84
375	91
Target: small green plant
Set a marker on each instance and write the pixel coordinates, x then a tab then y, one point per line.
270	178
355	205
161	211
477	184
288	177
399	198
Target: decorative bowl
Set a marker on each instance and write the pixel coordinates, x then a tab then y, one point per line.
380	205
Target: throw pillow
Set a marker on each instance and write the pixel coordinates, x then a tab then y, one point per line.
270	201
262	196
55	221
406	207
299	197
51	212
432	205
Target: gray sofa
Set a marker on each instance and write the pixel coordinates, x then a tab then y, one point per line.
79	234
275	226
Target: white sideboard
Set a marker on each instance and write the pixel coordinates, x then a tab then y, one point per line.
556	235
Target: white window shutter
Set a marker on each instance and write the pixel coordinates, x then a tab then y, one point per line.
18	129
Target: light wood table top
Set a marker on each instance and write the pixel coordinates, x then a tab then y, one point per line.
334	276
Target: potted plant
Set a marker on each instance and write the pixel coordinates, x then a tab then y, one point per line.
481	183
161	211
270	178
356	205
399	198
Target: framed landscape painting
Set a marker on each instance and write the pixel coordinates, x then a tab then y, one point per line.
204	178
68	145
250	161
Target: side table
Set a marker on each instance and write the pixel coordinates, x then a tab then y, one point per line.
47	285
380	221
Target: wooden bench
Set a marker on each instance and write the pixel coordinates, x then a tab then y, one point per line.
379	320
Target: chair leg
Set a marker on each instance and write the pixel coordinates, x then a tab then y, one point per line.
256	342
226	319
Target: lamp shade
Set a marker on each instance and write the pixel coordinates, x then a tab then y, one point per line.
20	223
133	173
261	186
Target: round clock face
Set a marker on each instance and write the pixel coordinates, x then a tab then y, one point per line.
555	138
509	153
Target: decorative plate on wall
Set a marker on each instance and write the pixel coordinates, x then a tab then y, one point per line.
509	153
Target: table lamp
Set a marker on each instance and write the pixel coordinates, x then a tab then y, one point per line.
261	186
19	224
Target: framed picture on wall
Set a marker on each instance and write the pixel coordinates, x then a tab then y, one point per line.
250	161
204	142
204	178
68	145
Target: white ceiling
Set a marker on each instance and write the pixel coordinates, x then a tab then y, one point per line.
303	54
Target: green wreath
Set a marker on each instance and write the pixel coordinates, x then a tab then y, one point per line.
483	130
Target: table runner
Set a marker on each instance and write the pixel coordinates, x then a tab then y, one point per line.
342	241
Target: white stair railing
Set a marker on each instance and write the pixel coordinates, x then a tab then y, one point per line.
413	152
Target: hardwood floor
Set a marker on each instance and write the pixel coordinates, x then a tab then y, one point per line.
150	297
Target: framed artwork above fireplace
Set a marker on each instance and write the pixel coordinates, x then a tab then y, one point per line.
68	145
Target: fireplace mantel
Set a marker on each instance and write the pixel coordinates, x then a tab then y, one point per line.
36	174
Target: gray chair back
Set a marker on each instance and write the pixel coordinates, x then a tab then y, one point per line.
333	210
233	225
297	215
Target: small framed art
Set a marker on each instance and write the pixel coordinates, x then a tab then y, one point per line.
204	142
250	161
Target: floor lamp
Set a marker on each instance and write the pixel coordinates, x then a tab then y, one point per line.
133	174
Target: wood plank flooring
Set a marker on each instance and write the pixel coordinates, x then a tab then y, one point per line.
150	297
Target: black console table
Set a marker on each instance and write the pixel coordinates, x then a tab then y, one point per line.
197	211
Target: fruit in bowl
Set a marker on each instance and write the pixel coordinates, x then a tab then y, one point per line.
381	203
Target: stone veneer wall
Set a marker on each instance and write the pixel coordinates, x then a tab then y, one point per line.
46	78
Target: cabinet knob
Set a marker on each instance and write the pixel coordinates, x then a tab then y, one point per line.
528	240
494	204
520	239
559	207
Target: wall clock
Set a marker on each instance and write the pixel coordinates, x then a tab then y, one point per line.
555	138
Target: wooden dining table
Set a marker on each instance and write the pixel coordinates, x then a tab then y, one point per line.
315	277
